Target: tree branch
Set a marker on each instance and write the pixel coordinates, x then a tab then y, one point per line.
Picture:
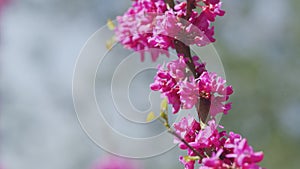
186	143
183	49
170	3
203	105
190	5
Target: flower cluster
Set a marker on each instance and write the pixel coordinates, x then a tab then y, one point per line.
135	27
218	149
150	24
158	25
183	90
166	82
212	87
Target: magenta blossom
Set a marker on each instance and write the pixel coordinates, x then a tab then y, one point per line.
196	29
113	162
135	27
189	93
242	153
227	150
208	86
214	87
188	164
177	84
213	162
149	24
167	85
187	128
183	91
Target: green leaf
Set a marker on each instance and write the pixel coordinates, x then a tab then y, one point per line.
110	24
164	105
151	116
110	43
191	158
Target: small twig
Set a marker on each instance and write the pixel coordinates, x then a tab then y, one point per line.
203	106
183	49
186	143
170	3
189	7
171	131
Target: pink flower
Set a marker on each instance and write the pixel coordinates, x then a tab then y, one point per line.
148	24
209	137
182	90
177	68
189	93
135	27
187	164
190	31
189	90
224	150
243	154
218	105
177	84
187	128
112	162
199	66
214	88
168	86
213	2
213	162
211	9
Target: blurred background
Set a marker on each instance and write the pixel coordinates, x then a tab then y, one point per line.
258	42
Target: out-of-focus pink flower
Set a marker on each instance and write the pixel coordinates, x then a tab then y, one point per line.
2	4
113	162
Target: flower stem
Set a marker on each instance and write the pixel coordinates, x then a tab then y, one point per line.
189	7
186	143
171	131
183	49
170	3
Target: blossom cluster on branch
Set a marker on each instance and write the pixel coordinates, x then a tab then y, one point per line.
218	149
184	91
153	24
185	82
